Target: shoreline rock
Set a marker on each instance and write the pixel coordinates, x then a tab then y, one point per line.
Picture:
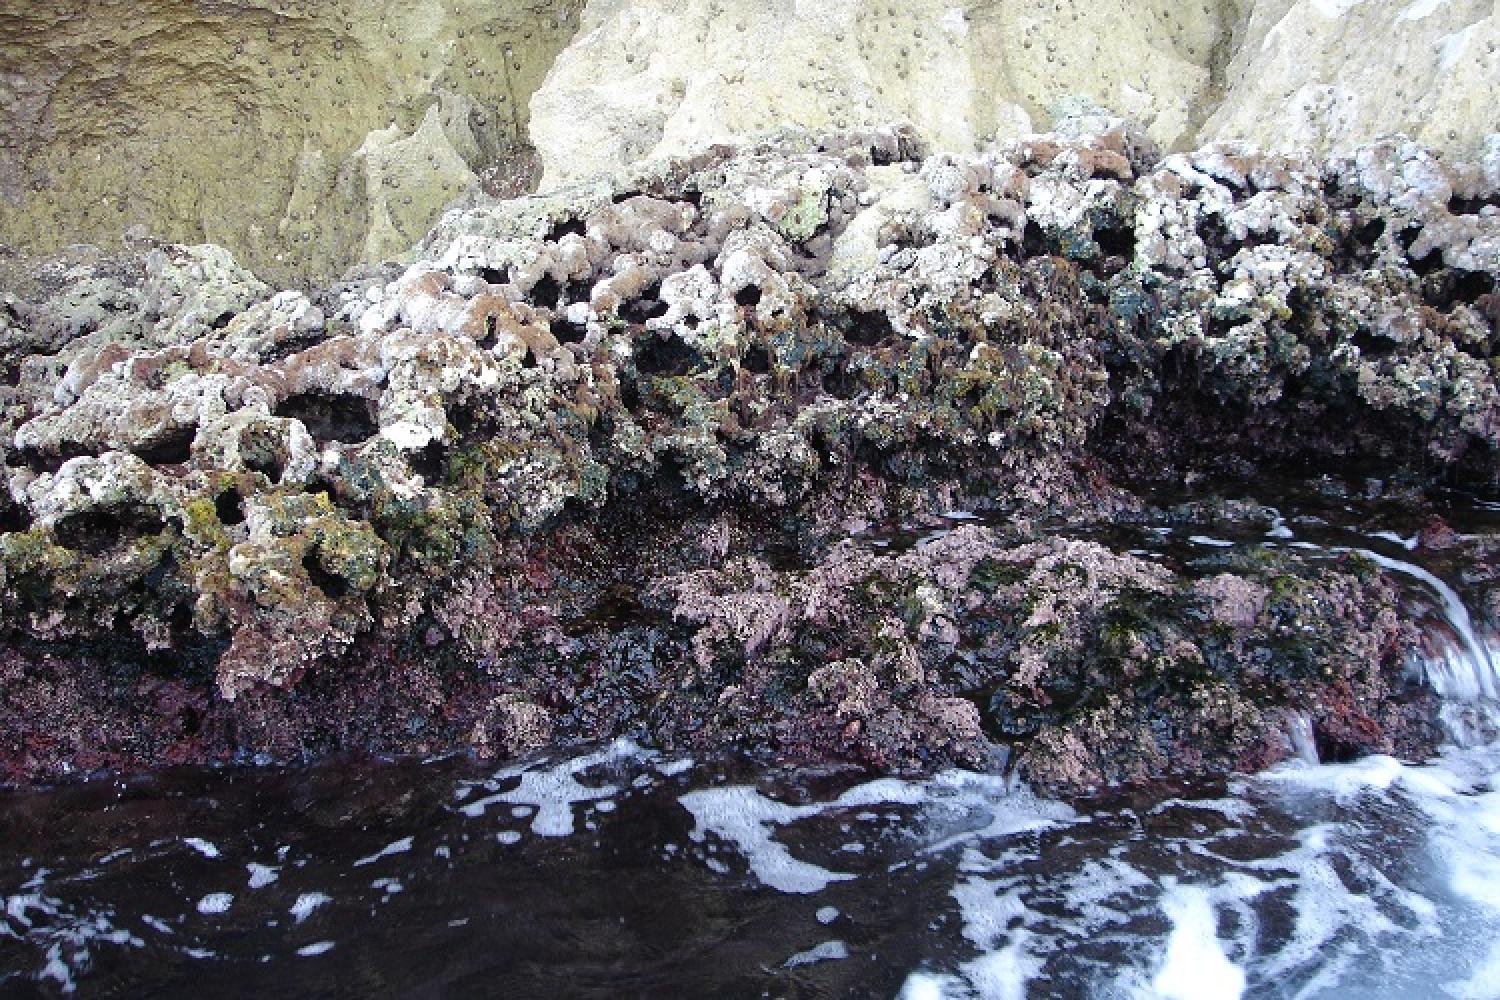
583	471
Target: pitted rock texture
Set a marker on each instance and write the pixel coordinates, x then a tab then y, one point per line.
1330	74
648	77
305	136
582	471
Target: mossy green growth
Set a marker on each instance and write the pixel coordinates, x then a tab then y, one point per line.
806	216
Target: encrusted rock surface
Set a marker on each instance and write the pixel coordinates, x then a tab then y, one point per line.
589	468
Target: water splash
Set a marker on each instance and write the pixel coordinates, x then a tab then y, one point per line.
1462	670
1468	672
1299	732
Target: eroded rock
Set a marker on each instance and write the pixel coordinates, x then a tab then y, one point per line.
582	470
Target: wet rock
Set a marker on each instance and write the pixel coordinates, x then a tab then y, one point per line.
582	470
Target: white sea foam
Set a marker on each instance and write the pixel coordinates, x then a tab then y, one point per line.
261	875
554	791
203	847
828	951
744	817
401	846
924	985
1420	9
307	903
747	819
1194	966
215	903
994	916
1333	9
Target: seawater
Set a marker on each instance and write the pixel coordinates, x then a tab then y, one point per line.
623	871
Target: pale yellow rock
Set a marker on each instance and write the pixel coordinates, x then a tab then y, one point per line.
657	77
652	77
1326	75
238	123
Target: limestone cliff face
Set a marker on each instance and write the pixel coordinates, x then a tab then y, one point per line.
651	76
304	135
647	76
1329	74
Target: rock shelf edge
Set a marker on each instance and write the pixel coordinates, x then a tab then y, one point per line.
590	467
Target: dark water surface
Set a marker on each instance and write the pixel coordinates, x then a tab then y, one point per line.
625	873
622	872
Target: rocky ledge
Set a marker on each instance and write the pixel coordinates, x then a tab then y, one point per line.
598	464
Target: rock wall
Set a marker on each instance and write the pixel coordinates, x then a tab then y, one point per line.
1330	74
592	465
645	76
306	137
303	135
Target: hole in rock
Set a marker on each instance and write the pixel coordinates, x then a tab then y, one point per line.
569	333
40	462
624	196
333	587
99	530
491	336
1033	240
665	356
187	721
292	345
568	227
630	395
1458	205
842	383
466	417
322	484
1427	265
181	616
1447	289
749	296
343	418
229	507
647	307
430	463
1372	346
173	449
546	292
757	359
494	275
13	517
868	329
1116	241
264	456
1370	232
221	321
